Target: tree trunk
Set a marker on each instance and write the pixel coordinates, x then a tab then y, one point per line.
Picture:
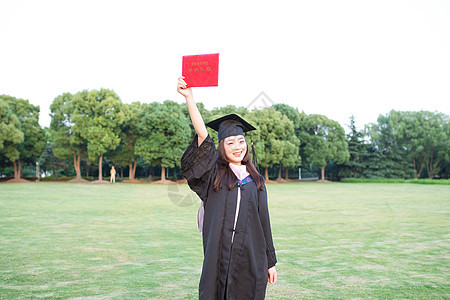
76	163
286	175
163	173
432	169
132	168
16	165
100	177
418	167
20	169
266	173
323	172
279	172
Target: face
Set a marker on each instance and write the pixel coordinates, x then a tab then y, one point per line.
235	148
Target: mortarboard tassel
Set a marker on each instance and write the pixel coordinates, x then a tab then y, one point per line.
255	160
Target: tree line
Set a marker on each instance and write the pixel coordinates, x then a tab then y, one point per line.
90	126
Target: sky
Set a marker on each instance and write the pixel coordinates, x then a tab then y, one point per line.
335	58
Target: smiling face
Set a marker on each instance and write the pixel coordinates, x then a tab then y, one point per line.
235	148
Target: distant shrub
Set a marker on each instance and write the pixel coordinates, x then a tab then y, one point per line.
430	181
373	180
395	180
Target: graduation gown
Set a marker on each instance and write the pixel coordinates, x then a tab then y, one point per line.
238	269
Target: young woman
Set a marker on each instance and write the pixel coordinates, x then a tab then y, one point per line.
239	257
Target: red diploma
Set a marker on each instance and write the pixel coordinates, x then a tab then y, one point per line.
201	70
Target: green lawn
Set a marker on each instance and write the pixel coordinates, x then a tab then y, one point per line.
363	241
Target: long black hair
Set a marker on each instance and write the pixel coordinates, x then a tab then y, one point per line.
225	175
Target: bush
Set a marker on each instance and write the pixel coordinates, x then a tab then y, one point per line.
431	181
373	180
395	180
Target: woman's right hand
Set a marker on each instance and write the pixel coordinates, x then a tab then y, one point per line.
183	89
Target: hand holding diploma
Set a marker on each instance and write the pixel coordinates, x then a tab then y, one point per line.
183	89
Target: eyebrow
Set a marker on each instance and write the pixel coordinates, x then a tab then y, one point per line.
229	140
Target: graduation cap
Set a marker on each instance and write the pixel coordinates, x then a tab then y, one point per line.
231	125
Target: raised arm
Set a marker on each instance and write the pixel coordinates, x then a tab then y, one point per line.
196	117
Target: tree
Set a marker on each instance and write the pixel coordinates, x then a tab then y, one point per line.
291	157
358	162
125	151
67	141
48	162
390	158
323	140
426	137
10	133
97	118
33	135
164	134
273	137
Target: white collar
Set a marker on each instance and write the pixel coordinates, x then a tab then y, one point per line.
239	171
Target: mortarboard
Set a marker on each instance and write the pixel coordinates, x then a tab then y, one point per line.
231	125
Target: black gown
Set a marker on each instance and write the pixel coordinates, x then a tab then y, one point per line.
235	270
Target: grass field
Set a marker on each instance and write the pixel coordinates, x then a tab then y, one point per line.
339	241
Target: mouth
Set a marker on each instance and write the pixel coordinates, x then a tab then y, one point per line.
237	153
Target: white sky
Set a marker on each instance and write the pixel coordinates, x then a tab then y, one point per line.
334	58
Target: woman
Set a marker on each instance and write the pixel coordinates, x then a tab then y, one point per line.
239	257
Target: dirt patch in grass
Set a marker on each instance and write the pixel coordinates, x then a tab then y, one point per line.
100	182
131	181
163	182
78	180
17	180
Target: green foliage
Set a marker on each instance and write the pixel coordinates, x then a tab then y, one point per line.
124	154
426	137
48	162
291	155
22	139
65	138
390	157
430	181
360	154
97	118
91	124
10	134
396	180
290	112
164	134
274	140
67	142
322	140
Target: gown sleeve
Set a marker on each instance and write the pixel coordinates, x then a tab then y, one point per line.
198	164
265	221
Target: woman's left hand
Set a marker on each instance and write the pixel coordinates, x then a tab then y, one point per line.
272	276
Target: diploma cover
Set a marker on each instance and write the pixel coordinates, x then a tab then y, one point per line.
201	70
